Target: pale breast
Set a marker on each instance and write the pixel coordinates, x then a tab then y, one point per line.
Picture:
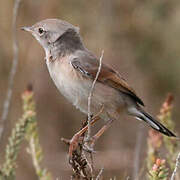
68	81
76	88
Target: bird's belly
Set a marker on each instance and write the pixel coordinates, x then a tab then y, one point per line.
77	88
66	79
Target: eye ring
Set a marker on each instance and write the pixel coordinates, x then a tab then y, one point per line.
41	30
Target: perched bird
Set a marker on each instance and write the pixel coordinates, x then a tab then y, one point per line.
73	68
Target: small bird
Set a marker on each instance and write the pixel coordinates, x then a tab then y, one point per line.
73	69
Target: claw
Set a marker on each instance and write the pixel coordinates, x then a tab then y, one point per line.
73	144
88	148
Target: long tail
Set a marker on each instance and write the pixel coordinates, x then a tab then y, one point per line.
142	115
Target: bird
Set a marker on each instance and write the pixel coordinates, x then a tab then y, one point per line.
73	69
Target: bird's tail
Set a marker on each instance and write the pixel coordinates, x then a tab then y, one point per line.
142	115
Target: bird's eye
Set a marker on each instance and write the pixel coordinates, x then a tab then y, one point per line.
40	30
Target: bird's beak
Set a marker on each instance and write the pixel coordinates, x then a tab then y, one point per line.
29	29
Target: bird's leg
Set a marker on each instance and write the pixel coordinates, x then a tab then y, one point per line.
98	135
101	132
73	143
75	139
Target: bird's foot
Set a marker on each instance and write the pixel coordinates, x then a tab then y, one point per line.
90	142
78	138
74	142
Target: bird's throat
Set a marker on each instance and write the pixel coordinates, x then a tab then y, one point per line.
65	45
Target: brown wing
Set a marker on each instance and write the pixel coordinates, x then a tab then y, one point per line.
88	65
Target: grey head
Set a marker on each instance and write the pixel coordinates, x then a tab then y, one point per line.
56	35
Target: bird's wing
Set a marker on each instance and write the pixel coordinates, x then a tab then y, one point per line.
88	65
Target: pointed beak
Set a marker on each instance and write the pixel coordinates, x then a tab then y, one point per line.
29	29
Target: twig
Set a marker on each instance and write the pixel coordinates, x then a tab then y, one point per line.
176	167
35	151
89	164
80	164
90	96
32	151
99	174
13	69
138	151
92	163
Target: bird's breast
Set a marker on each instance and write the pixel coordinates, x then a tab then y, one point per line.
69	82
76	88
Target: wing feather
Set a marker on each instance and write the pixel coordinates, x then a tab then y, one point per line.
88	65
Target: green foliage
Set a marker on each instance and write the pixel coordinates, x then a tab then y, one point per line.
170	144
159	171
157	168
35	151
26	127
16	138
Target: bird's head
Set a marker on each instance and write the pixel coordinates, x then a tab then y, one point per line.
48	31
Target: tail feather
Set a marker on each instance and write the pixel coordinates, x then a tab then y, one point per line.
142	115
155	124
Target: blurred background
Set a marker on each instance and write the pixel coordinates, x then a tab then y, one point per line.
141	40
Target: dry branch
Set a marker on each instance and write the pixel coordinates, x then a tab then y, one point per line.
91	94
138	147
176	167
82	166
13	69
79	162
99	174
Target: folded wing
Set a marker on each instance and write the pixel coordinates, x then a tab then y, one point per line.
88	65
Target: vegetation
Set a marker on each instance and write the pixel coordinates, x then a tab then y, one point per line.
158	168
162	167
25	129
140	38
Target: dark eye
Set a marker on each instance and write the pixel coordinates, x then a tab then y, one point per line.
41	30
